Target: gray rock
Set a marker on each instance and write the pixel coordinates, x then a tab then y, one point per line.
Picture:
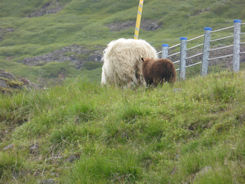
148	25
10	146
176	90
9	29
75	53
73	158
34	148
7	75
48	181
9	82
6	30
203	171
48	8
3	83
96	58
3	31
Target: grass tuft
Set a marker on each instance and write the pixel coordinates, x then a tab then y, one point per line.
113	168
10	164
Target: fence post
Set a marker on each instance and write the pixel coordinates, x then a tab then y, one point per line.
164	51
236	48
183	49
206	47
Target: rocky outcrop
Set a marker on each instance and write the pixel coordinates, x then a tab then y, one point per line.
9	83
148	25
48	8
75	53
3	31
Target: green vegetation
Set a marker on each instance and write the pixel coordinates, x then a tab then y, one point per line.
11	85
85	23
80	132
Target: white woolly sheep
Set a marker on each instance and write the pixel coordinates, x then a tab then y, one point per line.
122	62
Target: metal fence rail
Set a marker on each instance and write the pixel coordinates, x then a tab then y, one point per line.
219	48
223	38
194	47
222	29
220	57
206	49
174	54
199	54
159	52
174	46
194	64
176	61
195	38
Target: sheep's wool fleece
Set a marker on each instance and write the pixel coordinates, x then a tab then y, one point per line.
122	62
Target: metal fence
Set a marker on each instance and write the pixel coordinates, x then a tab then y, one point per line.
181	57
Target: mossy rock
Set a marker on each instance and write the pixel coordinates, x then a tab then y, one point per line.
5	90
15	83
9	83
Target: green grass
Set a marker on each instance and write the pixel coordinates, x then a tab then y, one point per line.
192	132
85	23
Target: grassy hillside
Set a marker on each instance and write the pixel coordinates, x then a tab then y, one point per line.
25	34
193	132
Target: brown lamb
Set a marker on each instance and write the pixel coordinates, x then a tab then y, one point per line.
157	71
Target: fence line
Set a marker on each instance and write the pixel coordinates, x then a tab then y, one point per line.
176	53
195	38
174	46
222	29
187	41
220	57
194	64
199	54
219	48
194	47
206	49
176	61
223	38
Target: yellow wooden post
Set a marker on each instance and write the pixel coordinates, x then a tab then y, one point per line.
137	26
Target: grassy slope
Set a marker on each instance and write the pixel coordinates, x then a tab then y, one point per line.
84	23
193	132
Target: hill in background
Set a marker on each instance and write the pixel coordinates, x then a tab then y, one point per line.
48	40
